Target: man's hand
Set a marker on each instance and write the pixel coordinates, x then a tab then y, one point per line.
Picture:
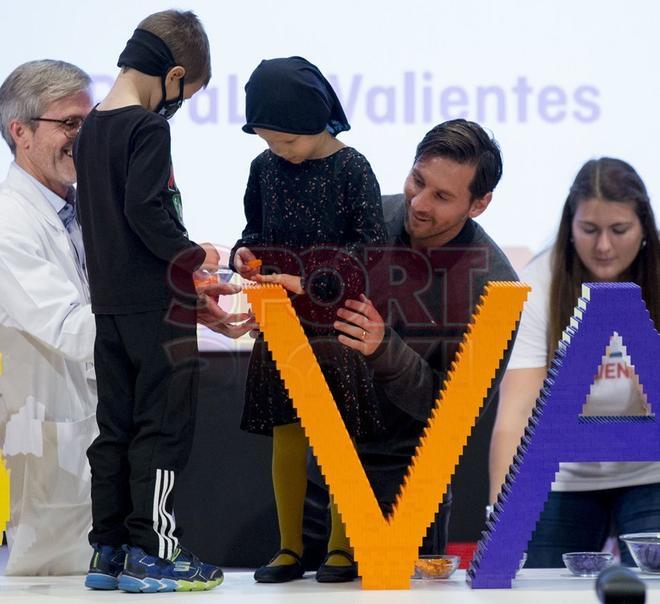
291	283
362	326
232	325
212	259
245	263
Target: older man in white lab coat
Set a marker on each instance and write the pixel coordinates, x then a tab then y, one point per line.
47	330
47	391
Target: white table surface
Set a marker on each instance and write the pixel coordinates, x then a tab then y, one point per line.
531	587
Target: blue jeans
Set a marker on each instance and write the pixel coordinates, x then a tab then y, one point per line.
576	521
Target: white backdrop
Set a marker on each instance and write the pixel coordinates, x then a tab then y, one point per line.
556	82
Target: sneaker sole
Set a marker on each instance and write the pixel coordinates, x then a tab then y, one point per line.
151	585
147	585
99	581
198	585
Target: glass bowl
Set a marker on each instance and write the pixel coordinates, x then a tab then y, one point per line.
431	568
205	277
645	550
587	564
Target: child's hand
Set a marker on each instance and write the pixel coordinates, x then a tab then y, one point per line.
246	263
292	283
232	325
212	259
213	289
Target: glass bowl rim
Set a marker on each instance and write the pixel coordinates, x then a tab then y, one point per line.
637	537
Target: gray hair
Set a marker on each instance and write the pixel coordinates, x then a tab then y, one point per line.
32	86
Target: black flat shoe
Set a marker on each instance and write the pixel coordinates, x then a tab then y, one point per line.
281	573
330	573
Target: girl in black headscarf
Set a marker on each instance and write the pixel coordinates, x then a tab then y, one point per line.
311	204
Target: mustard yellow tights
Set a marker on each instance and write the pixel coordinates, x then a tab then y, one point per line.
290	484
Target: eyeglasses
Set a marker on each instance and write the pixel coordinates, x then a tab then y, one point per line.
70	126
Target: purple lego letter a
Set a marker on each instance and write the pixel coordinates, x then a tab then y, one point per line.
556	432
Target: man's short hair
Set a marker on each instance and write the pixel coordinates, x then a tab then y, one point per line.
32	87
184	34
465	142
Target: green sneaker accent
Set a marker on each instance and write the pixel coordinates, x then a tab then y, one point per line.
197	585
183	572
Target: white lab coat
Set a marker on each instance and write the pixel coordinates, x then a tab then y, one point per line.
47	387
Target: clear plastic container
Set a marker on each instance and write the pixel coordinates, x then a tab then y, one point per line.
432	568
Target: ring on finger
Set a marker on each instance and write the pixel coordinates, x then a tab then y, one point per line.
364	334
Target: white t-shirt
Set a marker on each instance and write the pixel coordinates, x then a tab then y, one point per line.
615	390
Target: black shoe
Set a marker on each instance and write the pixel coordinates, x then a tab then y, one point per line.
281	573
330	573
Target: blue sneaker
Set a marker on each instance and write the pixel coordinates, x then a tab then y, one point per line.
150	574
104	567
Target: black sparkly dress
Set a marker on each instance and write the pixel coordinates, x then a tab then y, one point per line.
314	219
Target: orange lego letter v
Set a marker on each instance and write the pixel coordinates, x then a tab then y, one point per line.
386	548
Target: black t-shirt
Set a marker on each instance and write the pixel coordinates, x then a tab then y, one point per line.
138	254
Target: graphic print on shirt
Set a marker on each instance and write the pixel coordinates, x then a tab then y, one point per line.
616	389
175	196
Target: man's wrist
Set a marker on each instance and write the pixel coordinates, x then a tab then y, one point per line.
382	346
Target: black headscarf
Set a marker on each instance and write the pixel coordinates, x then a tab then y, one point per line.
291	95
147	53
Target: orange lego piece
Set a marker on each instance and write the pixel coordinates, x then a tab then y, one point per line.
205	282
254	263
386	548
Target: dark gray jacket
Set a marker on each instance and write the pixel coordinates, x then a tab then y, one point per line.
427	316
413	360
427	300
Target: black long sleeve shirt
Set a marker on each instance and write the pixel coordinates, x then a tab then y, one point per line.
138	254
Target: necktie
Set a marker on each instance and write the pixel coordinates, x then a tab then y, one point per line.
67	214
68	217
